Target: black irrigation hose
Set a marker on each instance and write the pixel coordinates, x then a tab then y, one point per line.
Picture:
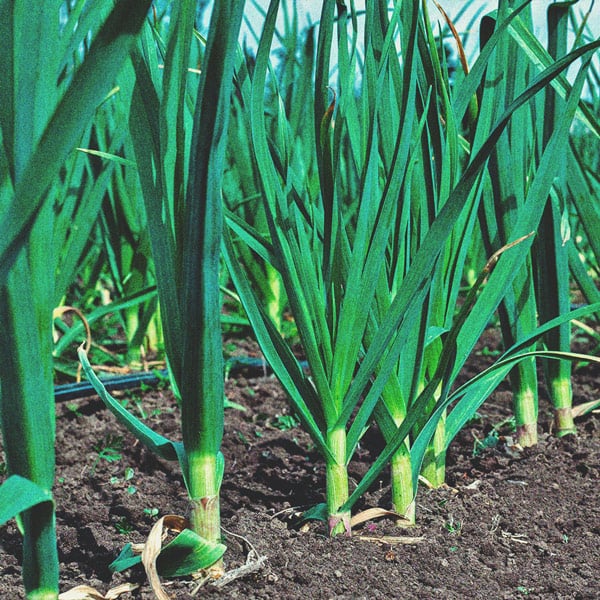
84	389
233	366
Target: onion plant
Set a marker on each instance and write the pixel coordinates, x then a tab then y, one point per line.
553	281
372	252
54	79
541	288
180	155
128	257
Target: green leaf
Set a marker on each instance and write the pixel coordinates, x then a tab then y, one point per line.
110	157
73	113
18	494
318	512
186	554
155	442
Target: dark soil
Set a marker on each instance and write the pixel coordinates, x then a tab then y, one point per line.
510	524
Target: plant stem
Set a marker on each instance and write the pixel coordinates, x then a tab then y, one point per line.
40	550
204	495
403	497
562	394
337	483
204	498
434	461
132	321
27	416
525	404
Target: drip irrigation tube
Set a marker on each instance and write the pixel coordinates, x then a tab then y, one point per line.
234	365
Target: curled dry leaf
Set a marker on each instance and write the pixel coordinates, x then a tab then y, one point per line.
375	513
391	540
85	592
583	409
59	312
152	549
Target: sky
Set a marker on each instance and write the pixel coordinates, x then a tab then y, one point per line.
309	11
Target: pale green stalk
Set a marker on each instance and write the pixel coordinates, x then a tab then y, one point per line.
552	256
332	250
45	226
180	162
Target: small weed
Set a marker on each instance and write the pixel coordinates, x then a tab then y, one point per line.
494	436
489	441
123	526
452	526
485	351
243	438
127	476
285	422
227	403
109	450
72	406
139	405
151	512
137	401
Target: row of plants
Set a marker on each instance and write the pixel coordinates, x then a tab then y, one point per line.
387	203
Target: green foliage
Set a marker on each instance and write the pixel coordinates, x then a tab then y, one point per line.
108	449
179	160
368	221
55	76
377	214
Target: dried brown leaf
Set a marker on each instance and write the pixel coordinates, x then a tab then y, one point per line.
152	549
85	592
375	513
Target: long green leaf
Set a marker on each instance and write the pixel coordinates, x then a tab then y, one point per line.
157	443
73	112
18	494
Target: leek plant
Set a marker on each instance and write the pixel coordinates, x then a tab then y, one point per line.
128	256
371	258
540	290
180	155
115	274
553	281
509	171
242	184
49	200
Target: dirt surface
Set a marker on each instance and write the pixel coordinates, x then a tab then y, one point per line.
510	524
